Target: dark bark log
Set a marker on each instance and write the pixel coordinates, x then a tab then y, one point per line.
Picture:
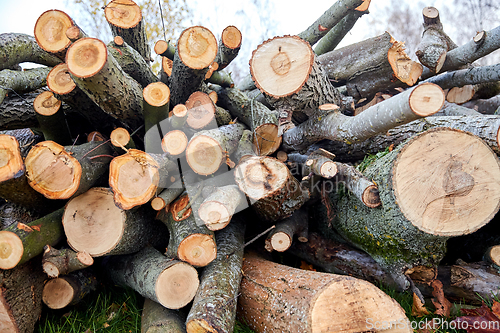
468	76
17	111
485	106
69	289
16	48
12	82
11	214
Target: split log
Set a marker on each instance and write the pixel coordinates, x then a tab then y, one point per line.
470	52
485	127
131	62
21	297
422	208
190	241
370	66
69	289
170	282
277	298
214	306
262	121
229	46
208	149
156	318
22	241
196	50
155	107
60	172
51	118
201	110
14	185
99	75
281	238
125	20
135	176
17	111
94	224
417	102
218	208
61	262
274	191
329	19
50	32
16	48
435	43
22	81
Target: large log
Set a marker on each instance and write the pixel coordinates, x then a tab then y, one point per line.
422	207
50	32
17	111
277	298
172	283
214	306
94	224
16	48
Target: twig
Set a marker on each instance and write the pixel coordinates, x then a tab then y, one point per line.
258	236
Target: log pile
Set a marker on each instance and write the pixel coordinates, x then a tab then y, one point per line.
357	159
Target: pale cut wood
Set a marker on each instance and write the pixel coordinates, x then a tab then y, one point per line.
266	139
461	95
492	255
229	46
120	138
201	110
69	289
74	33
174	142
164	49
11	162
280	238
50	31
218	208
166	196
51	118
197	47
59	81
363	188
60	262
278	298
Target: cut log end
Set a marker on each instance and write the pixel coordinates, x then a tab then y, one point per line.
51	269
180	110
440	62
59	81
280	66
134	178
231	37
460	95
158	204
118	40
73	33
430	13
177	285
160	47
174	142
450	193
52	171
46	104
281	241
125	14
197	47
119	137
96	231
266	139
198	326
215	215
405	69
371	197
86	57
328	169
197	249
50	30
364	6
494	255
11	162
166	65
204	155
11	249
201	110
156	94
426	99
57	293
85	258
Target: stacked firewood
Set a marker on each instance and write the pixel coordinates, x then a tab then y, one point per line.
359	160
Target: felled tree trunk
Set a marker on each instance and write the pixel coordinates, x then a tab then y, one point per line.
16	48
156	107
61	262
421	206
125	20
277	298
50	32
69	289
214	306
60	172
157	318
20	242
94	224
21	297
172	283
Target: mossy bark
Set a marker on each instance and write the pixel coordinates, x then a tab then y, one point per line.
16	48
22	81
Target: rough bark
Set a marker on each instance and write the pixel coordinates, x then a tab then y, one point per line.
69	289
412	225
229	46
11	213
319	165
61	262
17	111
468	76
214	306
420	101
277	298
451	109
23	241
21	297
246	147
94	224
167	281
16	48
19	82
102	79
281	238
484	106
51	118
166	196
125	20
156	318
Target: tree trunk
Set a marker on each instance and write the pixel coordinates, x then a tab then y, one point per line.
125	20
156	318
68	290
277	298
22	241
94	224
423	207
50	32
17	48
214	306
61	262
60	172
21	297
170	282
